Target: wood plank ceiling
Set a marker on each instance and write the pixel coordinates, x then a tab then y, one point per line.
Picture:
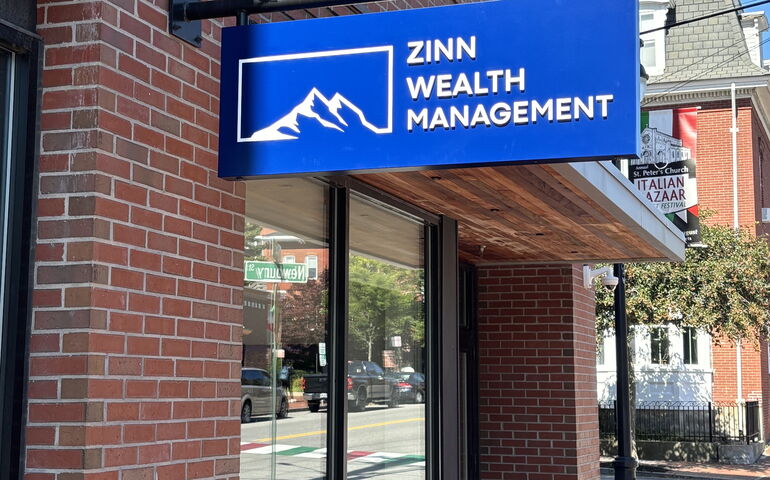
517	214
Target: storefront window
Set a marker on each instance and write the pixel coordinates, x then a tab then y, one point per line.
283	376
386	382
287	353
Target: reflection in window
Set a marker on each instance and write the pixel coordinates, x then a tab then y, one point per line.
659	345
690	340
312	266
284	333
386	344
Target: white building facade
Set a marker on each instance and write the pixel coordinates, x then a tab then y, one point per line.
670	363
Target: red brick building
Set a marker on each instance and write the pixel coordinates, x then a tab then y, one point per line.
124	362
689	73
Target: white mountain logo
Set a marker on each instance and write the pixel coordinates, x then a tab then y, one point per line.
334	113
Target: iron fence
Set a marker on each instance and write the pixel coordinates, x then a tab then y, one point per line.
720	422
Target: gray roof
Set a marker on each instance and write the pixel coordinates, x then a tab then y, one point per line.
708	49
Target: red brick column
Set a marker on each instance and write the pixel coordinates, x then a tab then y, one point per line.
135	349
537	353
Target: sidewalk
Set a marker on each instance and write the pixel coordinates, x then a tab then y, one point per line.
701	471
297	402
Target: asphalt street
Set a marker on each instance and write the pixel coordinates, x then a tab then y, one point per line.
383	443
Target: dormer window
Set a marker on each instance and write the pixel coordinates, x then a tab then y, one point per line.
652	14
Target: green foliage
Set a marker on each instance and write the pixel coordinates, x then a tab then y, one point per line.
384	300
723	288
253	248
304	311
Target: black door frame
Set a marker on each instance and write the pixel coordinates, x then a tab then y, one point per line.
16	306
469	345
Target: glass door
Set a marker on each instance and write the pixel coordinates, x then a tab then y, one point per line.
335	374
386	344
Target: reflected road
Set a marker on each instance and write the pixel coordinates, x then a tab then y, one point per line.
383	443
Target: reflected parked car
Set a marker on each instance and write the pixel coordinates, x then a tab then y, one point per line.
411	386
366	383
256	386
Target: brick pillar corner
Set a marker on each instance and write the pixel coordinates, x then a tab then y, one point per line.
537	350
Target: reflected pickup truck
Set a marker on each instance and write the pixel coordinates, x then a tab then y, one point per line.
366	383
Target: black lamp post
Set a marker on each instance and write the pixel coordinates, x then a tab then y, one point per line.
624	464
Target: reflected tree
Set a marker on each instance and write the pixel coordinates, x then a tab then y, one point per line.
253	248
305	308
384	301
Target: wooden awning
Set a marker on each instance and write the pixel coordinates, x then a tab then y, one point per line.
565	213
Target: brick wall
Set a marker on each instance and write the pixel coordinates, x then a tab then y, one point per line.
725	370
135	349
716	193
537	349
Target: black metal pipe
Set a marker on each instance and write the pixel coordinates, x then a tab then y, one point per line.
624	463
214	9
242	18
233	8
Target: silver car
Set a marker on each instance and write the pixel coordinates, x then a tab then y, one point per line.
255	395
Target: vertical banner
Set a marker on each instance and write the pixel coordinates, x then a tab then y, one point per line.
665	173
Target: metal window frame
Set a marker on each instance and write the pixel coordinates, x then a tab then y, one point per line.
469	344
22	195
6	162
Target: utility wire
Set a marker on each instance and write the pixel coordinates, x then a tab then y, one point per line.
662	78
687	82
704	17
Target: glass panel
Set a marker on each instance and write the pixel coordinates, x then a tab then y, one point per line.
312	266
646	22
659	345
285	331
690	340
648	55
386	339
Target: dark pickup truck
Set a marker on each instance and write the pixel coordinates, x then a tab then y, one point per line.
367	383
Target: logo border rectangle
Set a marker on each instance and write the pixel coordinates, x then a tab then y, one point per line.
324	53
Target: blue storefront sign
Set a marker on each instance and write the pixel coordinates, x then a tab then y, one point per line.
476	84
